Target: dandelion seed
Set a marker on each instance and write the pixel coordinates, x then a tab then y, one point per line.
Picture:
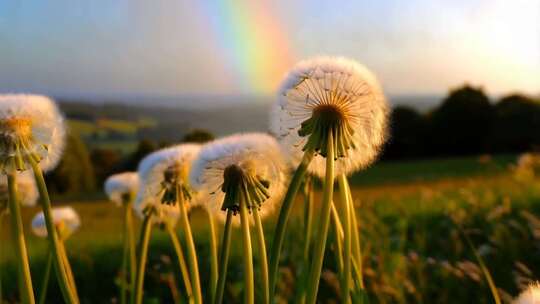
530	296
31	127
65	219
331	95
121	188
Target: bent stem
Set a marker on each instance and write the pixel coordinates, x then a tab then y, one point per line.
283	219
213	257
262	254
69	271
142	250
181	260
338	235
320	243
25	280
249	288
52	235
346	274
192	253
46	279
357	249
224	258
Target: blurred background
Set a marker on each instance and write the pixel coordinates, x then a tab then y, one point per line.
463	79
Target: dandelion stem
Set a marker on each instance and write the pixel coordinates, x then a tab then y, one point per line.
142	250
346	274
224	258
284	214
320	243
125	258
131	244
192	253
338	236
249	288
357	249
52	235
213	256
262	254
25	280
46	279
69	271
1	255
181	260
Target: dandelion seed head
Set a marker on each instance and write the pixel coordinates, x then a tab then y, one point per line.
529	296
160	170
27	191
65	219
338	94
30	125
227	160
122	187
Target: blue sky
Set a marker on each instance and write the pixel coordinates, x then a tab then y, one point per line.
164	48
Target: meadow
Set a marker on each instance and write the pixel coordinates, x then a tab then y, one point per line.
409	214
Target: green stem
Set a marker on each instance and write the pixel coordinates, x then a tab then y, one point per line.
46	279
125	258
309	199
142	250
181	260
69	271
346	275
320	243
213	257
1	256
357	249
263	256
249	288
338	236
192	253
27	293
132	248
224	258
283	219
52	235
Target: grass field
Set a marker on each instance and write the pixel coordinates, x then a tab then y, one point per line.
413	252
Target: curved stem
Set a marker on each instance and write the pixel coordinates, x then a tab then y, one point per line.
357	249
320	243
181	260
338	236
52	235
27	293
249	291
46	279
283	219
263	256
192	253
224	258
142	250
69	271
346	274
213	256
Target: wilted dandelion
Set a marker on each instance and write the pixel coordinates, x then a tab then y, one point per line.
122	188
240	174
529	296
164	197
66	220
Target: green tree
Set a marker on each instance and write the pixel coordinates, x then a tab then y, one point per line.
198	136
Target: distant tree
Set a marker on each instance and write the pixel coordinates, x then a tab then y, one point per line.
106	162
407	134
144	148
198	136
517	124
75	173
462	124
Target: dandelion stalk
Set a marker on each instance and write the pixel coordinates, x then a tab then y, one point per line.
308	216
283	219
249	288
192	253
142	254
347	252
69	271
213	256
1	256
54	243
320	243
126	256
262	253
338	236
46	279
224	258
357	249
132	248
27	293
181	260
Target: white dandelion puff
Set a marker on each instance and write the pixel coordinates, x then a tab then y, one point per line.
122	187
529	296
27	190
65	219
31	126
337	95
253	157
161	174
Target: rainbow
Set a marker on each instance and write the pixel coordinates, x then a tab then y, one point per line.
253	44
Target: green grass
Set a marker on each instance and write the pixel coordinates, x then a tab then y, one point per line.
413	252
